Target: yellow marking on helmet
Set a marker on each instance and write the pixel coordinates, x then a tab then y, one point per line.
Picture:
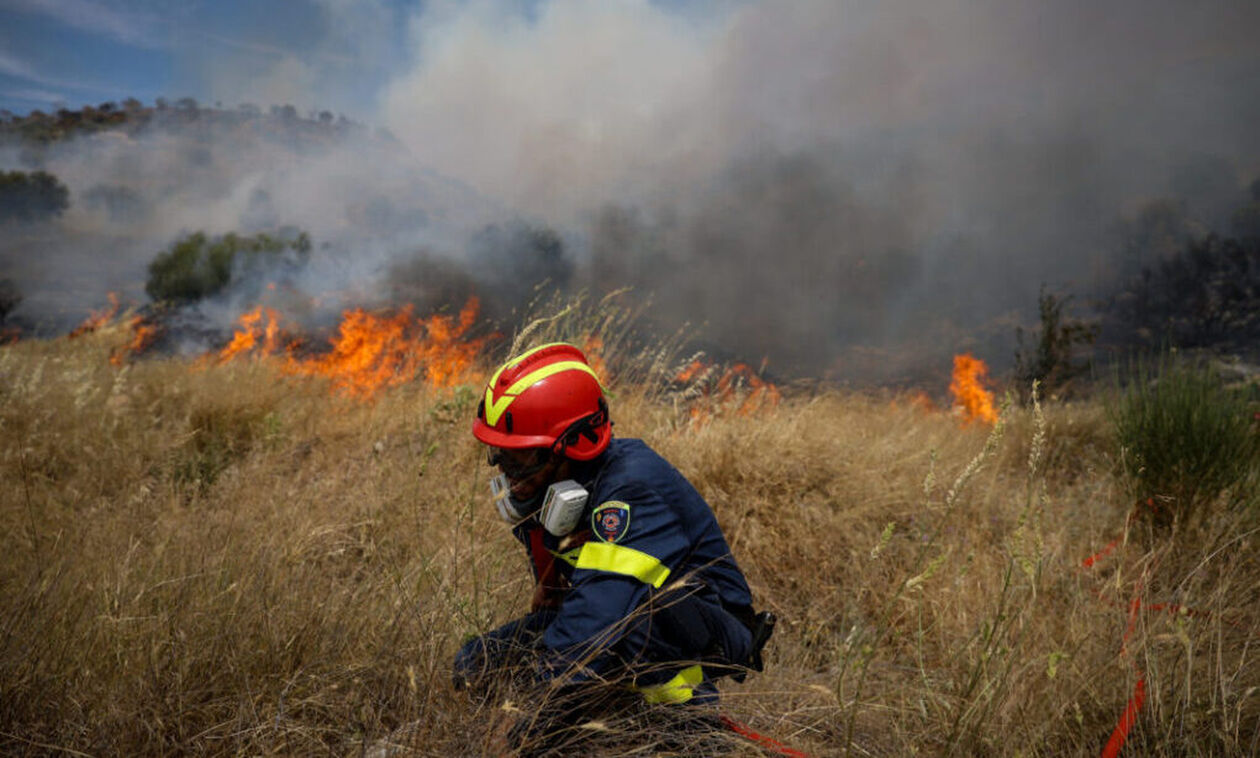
534	377
514	361
495	408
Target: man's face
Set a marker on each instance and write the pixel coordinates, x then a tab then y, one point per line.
528	471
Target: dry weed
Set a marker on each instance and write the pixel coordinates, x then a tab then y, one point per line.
222	560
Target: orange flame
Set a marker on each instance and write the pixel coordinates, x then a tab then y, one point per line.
371	351
693	370
97	319
250	331
593	347
738	388
143	334
918	400
967	387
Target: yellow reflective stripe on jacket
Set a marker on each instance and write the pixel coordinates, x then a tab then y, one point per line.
604	556
676	690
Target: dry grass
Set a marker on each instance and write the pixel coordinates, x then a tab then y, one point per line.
221	560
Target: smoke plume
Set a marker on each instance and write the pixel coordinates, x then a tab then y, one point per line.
843	188
822	179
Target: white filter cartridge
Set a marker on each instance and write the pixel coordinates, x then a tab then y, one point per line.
563	507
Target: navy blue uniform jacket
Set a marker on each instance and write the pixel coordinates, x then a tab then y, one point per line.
645	531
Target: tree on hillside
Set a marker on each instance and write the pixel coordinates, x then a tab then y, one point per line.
32	196
1051	358
1207	295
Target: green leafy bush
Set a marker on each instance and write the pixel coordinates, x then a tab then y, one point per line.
198	266
1185	438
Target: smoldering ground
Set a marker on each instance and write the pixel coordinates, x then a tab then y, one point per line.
839	187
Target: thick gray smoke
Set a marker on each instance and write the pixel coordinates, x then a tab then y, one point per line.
838	185
358	196
842	187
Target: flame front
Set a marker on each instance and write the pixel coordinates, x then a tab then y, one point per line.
143	334
738	388
370	351
967	387
251	333
97	319
916	399
593	349
693	370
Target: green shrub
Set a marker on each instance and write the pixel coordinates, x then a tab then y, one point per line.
198	266
1185	438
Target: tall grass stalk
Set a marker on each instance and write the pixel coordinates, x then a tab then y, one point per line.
920	570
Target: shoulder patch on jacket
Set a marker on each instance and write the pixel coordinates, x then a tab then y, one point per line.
611	520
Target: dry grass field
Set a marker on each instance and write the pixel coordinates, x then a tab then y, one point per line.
220	558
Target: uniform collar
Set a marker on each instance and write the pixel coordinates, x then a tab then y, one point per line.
586	473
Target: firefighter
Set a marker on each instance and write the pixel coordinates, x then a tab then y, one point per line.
634	582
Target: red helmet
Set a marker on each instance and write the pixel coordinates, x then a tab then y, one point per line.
547	397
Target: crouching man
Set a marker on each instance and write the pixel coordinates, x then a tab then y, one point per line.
635	584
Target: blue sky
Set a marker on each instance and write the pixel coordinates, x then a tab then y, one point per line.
315	54
56	53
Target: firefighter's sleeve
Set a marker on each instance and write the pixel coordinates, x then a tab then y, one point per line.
637	542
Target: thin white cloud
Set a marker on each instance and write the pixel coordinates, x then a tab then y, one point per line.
35	96
127	26
14	67
20	69
332	67
272	50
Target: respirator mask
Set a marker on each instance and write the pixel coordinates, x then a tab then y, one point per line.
562	505
559	508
